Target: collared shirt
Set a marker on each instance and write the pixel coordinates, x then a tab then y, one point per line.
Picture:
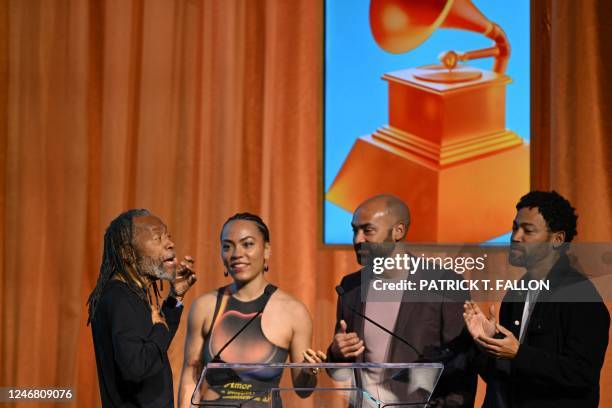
530	303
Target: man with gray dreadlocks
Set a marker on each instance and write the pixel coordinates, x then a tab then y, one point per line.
131	333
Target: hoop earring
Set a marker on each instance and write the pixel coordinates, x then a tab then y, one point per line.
225	273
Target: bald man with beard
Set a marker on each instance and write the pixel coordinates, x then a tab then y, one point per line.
385	219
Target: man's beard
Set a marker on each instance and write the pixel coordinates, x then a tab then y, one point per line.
147	266
374	249
517	256
528	254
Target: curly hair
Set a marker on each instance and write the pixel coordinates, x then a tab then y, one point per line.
556	210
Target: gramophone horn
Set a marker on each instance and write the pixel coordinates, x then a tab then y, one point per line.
399	26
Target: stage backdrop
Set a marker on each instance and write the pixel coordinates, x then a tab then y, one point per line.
433	143
196	110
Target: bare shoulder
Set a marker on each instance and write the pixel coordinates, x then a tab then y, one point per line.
290	305
205	300
203	306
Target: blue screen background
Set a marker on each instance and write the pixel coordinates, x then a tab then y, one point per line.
356	96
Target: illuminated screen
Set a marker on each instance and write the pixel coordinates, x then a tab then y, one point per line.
456	152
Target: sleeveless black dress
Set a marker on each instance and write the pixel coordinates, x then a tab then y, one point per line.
242	387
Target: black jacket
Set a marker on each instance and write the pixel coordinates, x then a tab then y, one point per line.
131	352
559	361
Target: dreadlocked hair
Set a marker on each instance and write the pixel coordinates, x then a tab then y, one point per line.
117	239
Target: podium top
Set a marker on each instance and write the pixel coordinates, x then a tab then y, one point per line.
335	385
326	365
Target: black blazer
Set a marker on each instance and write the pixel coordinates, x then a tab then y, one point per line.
559	362
424	325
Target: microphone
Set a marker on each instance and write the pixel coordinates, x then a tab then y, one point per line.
431	354
340	291
267	293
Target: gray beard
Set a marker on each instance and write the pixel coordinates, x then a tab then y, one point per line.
147	266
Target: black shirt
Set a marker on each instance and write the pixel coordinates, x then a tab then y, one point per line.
131	352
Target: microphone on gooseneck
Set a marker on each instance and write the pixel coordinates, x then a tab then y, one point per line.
267	292
340	291
431	354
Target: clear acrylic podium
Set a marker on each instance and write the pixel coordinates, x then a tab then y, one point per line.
338	385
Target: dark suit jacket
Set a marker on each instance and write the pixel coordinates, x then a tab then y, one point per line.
559	362
423	325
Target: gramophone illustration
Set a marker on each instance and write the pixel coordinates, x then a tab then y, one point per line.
446	150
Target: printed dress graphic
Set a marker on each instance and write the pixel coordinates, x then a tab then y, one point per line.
250	386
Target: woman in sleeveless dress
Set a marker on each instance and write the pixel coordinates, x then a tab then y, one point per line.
277	325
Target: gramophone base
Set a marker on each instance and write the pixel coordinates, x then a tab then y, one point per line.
472	201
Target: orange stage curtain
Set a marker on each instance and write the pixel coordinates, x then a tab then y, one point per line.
197	110
572	122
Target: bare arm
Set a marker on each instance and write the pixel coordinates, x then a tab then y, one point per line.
199	314
300	350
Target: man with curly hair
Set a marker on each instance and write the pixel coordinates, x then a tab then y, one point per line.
549	346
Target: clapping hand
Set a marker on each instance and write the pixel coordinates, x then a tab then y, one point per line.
477	323
500	348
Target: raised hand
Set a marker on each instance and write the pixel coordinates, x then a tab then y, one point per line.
346	345
477	323
156	317
185	278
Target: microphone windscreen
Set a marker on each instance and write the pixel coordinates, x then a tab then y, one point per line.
339	290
